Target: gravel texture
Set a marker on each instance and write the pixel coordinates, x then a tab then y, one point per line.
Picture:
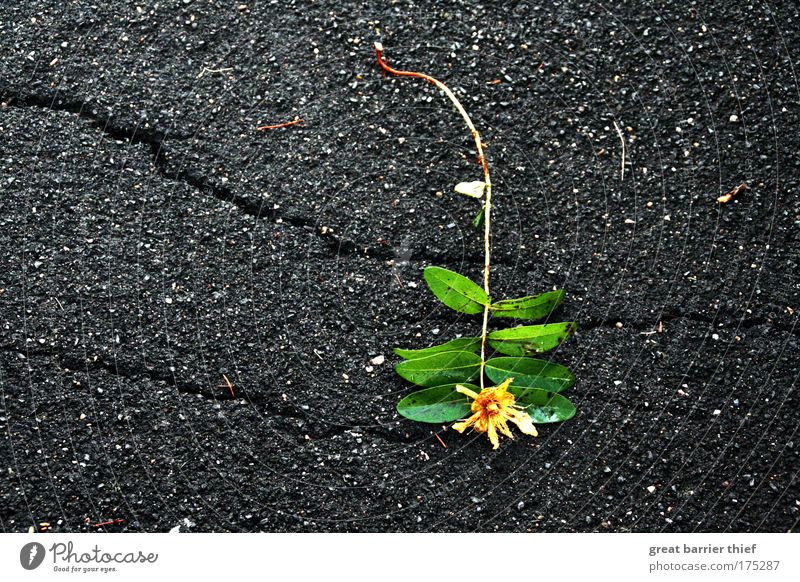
152	241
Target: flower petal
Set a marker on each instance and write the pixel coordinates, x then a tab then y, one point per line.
524	422
502	425
481	424
492	432
501	389
464	390
463	425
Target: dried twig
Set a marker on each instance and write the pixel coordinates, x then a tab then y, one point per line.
295	121
725	198
213	71
228	384
622	163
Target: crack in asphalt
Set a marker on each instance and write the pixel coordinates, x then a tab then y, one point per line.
308	425
83	110
149	136
321	430
341	246
345	246
155	139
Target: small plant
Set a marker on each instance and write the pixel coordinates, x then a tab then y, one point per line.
453	375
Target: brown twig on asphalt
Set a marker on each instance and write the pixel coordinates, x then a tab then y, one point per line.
725	198
622	161
214	71
294	121
228	384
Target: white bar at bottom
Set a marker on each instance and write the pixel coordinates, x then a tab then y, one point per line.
372	557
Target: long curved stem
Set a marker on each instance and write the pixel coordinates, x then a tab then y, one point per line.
487	220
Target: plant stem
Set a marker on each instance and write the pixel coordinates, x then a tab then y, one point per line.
487	219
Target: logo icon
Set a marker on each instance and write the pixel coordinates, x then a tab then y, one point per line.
31	555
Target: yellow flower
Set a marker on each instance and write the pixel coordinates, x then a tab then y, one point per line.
491	411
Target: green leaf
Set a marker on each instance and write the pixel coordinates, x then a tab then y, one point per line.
441	368
456	291
543	406
437	404
468	344
530	372
471	189
531	339
533	307
477	222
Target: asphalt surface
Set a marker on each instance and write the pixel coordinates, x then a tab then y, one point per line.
153	242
